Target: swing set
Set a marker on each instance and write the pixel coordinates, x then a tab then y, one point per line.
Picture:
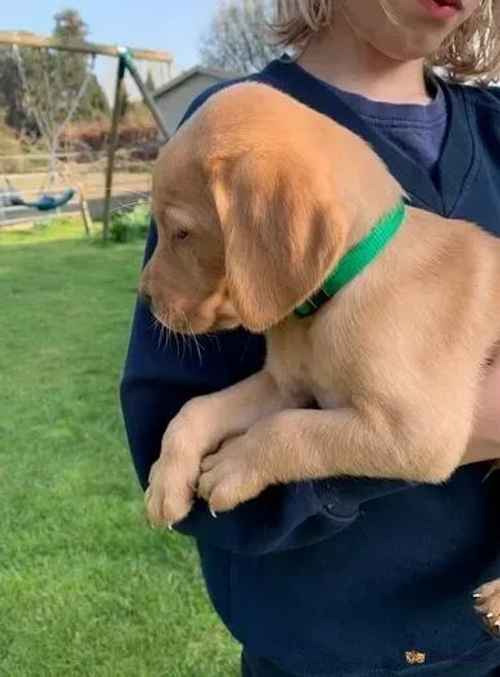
51	129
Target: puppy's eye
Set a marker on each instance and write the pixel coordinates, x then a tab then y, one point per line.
181	234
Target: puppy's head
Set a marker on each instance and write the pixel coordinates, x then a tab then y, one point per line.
254	200
184	280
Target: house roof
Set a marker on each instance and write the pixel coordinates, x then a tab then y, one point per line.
196	70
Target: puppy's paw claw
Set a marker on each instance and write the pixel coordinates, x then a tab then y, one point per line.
488	606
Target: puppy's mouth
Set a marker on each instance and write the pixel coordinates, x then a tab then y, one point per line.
194	325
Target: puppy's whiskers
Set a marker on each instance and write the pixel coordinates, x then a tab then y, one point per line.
157	328
166	334
196	342
189	337
169	332
160	323
175	334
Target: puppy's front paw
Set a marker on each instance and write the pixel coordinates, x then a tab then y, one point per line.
488	604
173	479
170	494
231	476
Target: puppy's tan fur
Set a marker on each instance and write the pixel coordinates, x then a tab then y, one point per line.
256	199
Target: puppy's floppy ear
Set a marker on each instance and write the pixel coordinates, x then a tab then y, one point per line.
282	232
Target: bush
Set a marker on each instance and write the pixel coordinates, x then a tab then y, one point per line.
23	165
147	152
94	134
127	225
9	144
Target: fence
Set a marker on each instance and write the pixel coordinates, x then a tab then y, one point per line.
83	171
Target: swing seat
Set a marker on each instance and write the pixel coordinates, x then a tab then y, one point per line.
46	202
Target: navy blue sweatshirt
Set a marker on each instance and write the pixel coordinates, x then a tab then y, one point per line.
342	577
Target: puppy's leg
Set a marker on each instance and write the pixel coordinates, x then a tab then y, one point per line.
306	444
199	428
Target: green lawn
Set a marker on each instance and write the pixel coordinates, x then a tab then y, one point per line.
86	587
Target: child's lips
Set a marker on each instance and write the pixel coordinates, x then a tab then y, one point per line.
451	3
442	9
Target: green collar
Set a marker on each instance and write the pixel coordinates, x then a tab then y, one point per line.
356	259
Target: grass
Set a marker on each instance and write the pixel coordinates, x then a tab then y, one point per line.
86	588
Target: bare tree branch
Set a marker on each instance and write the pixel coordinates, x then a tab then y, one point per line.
237	40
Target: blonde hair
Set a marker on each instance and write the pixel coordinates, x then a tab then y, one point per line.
471	52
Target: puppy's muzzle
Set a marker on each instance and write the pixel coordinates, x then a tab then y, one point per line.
146	298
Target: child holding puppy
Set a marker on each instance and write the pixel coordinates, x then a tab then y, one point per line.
345	577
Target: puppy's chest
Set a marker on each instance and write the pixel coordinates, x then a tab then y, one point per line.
308	365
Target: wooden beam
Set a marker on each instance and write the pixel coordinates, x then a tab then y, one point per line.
113	140
26	39
85	211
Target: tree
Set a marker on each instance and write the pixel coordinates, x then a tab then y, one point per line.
55	79
69	24
236	40
70	70
11	100
95	102
8	77
13	95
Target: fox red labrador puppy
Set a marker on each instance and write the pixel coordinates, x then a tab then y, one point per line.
260	202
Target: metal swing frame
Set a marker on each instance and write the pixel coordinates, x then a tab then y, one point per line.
126	63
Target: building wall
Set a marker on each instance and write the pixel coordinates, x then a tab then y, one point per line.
174	103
